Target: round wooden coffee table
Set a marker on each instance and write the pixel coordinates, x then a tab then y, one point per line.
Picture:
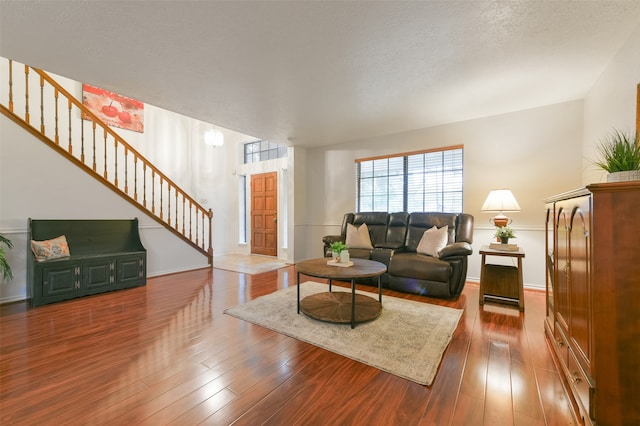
340	306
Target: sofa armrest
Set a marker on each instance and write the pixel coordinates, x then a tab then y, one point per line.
328	239
456	249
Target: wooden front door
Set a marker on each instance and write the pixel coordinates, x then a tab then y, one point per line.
264	214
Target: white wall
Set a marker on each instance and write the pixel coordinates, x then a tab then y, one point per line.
611	103
536	153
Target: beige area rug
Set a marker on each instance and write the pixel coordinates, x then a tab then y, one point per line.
407	339
247	264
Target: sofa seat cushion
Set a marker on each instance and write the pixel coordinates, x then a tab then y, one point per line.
360	253
389	245
419	266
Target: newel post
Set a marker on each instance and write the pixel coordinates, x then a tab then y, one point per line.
210	251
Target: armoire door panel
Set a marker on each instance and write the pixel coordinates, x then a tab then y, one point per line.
579	292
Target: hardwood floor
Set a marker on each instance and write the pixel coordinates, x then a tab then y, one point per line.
166	354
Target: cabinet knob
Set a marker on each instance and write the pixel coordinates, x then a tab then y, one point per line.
560	343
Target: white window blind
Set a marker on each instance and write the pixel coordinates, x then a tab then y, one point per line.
424	181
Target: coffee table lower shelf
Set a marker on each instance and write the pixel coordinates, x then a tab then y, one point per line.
335	307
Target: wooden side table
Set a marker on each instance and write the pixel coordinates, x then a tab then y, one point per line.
502	284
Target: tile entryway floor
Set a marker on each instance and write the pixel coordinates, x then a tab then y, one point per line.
247	264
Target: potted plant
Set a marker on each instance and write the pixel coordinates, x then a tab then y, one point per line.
5	269
504	233
337	248
620	156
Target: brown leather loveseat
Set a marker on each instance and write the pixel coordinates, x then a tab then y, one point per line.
395	240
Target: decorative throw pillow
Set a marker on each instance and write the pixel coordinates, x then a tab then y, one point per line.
358	236
50	249
433	240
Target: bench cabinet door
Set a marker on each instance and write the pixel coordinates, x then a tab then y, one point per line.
98	276
131	271
60	282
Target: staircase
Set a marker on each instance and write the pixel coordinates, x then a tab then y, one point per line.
41	106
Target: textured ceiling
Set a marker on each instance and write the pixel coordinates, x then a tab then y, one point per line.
325	72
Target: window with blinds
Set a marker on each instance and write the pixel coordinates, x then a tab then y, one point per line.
428	181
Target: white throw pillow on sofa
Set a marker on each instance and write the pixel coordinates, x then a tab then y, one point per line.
433	240
358	236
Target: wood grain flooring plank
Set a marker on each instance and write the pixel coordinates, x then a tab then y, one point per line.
524	387
404	403
310	385
498	408
142	405
199	413
469	411
235	411
352	386
526	399
557	411
301	367
475	370
524	420
209	397
79	410
445	388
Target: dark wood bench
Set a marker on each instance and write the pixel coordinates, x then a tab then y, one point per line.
105	255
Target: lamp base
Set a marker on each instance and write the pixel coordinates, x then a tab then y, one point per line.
500	221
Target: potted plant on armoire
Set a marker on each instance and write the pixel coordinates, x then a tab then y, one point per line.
620	156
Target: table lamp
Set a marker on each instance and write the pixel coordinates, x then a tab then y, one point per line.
500	201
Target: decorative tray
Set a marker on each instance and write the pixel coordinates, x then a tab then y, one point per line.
340	264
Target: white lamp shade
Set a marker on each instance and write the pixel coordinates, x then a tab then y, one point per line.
213	137
500	200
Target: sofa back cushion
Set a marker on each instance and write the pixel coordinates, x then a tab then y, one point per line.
464	228
348	218
420	222
376	222
397	227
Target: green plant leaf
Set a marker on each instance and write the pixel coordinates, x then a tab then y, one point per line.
5	269
338	247
619	152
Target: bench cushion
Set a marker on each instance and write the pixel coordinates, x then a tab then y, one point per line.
50	249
